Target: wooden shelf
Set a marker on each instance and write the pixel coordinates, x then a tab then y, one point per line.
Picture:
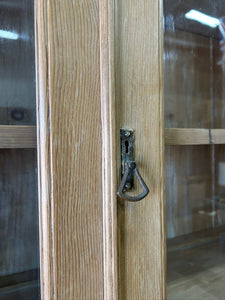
12	136
195	239
194	136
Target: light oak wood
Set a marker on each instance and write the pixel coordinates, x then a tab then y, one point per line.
217	136
139	100
12	136
44	151
194	136
186	136
106	9
69	146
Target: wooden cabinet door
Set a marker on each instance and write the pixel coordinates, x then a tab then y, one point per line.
106	65
139	106
99	69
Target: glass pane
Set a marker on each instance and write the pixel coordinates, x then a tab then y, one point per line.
17	63
194	65
19	244
19	258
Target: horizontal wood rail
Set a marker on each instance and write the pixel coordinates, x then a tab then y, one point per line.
194	136
13	136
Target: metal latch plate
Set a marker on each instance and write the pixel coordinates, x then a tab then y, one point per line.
127	154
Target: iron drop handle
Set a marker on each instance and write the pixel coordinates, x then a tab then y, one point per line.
129	166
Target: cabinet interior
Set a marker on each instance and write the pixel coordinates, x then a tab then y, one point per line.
194	100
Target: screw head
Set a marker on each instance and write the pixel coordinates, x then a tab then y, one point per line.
127	133
127	185
132	164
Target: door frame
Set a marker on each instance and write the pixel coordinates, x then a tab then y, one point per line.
105	238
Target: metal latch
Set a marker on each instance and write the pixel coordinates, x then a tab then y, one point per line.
129	168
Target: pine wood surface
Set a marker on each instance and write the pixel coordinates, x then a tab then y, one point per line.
69	145
139	104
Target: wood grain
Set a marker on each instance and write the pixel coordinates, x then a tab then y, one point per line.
194	136
69	144
107	71
44	151
12	136
218	136
186	136
139	101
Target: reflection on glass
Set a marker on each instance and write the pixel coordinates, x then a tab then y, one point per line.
202	18
194	76
19	259
19	245
8	35
17	63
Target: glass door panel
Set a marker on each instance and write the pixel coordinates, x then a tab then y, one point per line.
194	70
19	244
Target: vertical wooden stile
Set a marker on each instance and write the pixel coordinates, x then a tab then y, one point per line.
109	148
69	147
139	105
44	157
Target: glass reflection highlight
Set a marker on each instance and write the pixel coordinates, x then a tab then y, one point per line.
202	18
8	35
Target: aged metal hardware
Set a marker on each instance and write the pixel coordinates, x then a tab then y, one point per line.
132	166
127	154
129	167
